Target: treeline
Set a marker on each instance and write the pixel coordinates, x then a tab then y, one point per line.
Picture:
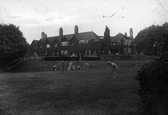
12	43
149	39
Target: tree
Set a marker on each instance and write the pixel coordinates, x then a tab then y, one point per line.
153	81
106	41
12	43
148	40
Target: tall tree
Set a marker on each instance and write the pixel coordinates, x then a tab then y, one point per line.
12	43
148	40
106	40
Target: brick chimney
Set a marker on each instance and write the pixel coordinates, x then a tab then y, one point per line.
76	30
45	36
61	33
125	34
131	33
42	35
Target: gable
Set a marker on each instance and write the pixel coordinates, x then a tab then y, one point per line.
64	39
42	42
34	42
51	39
120	37
69	36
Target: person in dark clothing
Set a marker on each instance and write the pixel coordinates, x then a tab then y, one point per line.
62	66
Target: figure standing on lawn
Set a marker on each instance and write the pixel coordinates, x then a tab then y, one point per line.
70	66
55	68
62	66
86	66
113	67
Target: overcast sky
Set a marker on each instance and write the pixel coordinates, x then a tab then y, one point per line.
36	16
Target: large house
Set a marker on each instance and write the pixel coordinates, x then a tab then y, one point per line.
86	42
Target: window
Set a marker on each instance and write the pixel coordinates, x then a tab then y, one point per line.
64	43
66	52
41	46
124	42
83	41
129	50
115	43
55	45
62	51
128	42
48	46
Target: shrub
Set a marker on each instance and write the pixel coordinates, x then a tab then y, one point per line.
153	81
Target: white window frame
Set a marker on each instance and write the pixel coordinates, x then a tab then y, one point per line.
48	45
64	43
83	41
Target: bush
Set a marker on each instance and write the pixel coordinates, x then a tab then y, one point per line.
153	81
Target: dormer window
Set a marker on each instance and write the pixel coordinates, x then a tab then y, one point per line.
48	46
64	44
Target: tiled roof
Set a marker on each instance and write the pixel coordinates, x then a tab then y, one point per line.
69	36
43	40
113	39
81	36
88	36
118	37
35	41
65	39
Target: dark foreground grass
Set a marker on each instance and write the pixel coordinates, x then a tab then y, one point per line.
91	92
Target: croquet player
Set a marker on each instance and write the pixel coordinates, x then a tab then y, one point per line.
86	66
62	66
54	67
70	66
113	68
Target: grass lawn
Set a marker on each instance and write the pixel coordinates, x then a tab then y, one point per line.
91	92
